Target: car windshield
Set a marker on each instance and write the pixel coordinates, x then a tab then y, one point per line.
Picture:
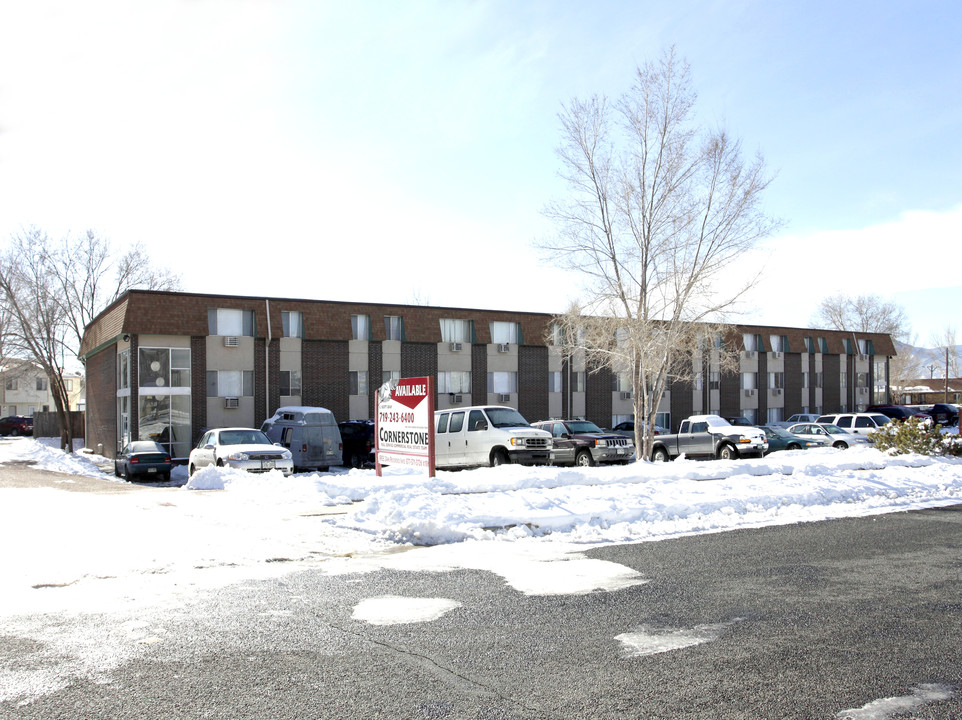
243	437
583	426
833	429
881	419
781	432
505	418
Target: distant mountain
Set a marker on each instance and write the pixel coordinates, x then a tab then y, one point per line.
931	360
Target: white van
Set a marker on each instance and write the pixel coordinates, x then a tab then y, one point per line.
488	435
310	433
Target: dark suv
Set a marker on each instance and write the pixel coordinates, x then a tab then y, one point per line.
944	414
16	425
579	442
898	412
357	439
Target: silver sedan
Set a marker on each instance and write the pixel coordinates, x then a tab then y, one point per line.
833	434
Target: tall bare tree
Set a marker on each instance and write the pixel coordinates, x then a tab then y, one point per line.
50	290
658	209
863	313
947	343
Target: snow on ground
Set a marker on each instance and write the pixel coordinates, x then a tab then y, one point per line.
529	525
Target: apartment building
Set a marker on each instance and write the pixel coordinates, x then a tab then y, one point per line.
25	389
167	365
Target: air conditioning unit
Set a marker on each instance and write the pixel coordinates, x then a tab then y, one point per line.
749	393
456	399
232	402
504	397
776	355
503	347
777	391
863	358
455	347
231	341
750	354
626	395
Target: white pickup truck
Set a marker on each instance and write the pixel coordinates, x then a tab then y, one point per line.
709	436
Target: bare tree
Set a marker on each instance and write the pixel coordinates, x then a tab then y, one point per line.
50	290
864	313
947	342
658	209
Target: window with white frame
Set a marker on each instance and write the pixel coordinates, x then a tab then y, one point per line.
578	381
663	419
454	381
393	327
749	381
843	379
357	380
750	414
360	327
390	376
230	383
41	384
750	340
777	343
504	333
621	382
557	335
228	321
455	331
292	323
775	414
123	370
861	380
164	367
554	381
776	380
68	384
502	382
714	380
11	384
290	382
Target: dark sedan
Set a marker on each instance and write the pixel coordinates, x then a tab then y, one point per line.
780	439
143	459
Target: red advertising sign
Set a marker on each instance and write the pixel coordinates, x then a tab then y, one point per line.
404	424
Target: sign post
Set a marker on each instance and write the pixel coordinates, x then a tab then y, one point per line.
404	424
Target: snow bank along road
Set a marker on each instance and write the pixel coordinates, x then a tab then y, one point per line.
537	610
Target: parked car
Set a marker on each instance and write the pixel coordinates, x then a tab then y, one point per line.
310	433
944	414
242	448
16	425
627	428
144	459
357	439
781	439
709	436
857	423
580	442
488	435
898	412
832	434
797	418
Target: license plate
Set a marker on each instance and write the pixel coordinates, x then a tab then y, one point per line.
267	464
150	470
620	451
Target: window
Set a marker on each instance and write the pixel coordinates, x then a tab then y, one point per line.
557	335
476	421
620	382
360	327
714	380
749	381
819	380
68	385
123	370
809	345
805	380
390	376
357	379
505	333
822	345
699	381
457	422
752	341
230	383
502	382
393	327
578	381
290	381
456	331
454	381
554	382
663	419
293	324
751	415
843	379
41	384
11	384
774	415
164	367
223	321
861	380
779	343
776	380
165	418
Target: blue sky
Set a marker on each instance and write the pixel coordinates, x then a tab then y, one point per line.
403	151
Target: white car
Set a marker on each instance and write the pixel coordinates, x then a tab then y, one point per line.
833	434
242	448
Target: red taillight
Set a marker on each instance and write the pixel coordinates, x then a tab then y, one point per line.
304	447
134	460
340	446
166	459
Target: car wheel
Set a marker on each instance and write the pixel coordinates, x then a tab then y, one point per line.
841	445
357	461
165	477
584	459
116	470
500	457
15	432
659	455
727	452
794	446
191	470
126	473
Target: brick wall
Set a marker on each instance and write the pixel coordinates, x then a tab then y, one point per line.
598	397
375	369
793	384
831	390
533	382
419	359
198	387
101	420
479	374
324	364
730	393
